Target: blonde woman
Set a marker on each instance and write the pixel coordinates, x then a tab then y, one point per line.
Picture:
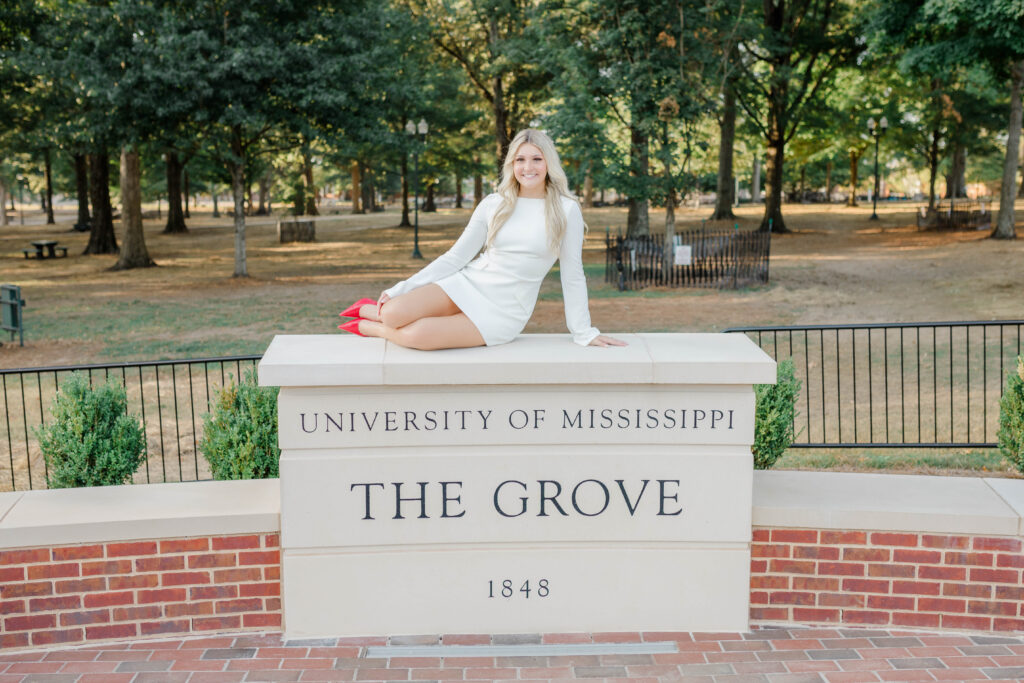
471	298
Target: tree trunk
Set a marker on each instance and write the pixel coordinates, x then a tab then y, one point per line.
638	219
428	205
48	171
369	191
724	192
175	214
357	189
933	166
405	222
3	202
478	189
249	209
238	193
458	191
755	180
828	181
101	234
502	135
588	189
772	220
213	195
82	192
310	189
1020	192
1005	224
263	191
185	191
669	245
956	183
134	253
802	190
298	196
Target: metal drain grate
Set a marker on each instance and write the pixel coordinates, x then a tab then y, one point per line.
552	650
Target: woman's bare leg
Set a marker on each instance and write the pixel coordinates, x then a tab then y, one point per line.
428	334
424	318
429	301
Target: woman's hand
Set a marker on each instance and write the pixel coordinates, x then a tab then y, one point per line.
604	340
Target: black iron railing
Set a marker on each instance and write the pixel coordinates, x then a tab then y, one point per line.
897	385
170	397
962	214
925	385
724	259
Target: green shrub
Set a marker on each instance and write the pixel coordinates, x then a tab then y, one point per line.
1011	418
92	440
773	416
240	436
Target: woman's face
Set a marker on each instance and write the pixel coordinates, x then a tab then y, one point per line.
530	170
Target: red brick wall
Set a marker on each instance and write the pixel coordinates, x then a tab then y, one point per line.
885	578
80	593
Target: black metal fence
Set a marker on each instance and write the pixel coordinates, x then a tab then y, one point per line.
170	397
925	385
698	258
956	214
922	385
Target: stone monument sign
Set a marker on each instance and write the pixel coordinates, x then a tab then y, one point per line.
537	486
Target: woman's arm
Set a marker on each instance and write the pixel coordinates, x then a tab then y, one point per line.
462	252
574	282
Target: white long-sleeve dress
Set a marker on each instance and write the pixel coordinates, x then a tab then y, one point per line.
498	289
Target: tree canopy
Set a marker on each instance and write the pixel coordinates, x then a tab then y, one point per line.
159	98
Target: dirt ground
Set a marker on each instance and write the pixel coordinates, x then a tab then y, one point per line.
837	267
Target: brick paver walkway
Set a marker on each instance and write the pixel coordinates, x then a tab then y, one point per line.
795	655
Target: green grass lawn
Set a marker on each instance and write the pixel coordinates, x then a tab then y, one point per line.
967	462
200	327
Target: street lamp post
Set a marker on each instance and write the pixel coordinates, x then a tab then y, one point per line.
876	131
418	132
21	202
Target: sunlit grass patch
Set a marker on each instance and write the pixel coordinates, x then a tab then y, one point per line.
965	462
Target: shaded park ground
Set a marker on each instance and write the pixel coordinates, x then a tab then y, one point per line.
838	267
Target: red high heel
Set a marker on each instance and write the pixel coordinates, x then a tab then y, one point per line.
352	326
353	310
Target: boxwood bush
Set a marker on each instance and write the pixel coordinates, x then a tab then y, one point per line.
1011	418
92	440
240	435
773	416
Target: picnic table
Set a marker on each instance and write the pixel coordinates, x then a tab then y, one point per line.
45	249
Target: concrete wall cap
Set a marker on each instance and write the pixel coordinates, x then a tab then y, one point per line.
1011	491
332	360
7	501
119	513
882	502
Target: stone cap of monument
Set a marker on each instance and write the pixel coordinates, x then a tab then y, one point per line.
335	360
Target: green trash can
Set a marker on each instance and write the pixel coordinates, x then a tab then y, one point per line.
11	305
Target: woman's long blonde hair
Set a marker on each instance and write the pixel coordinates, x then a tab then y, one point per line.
556	186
